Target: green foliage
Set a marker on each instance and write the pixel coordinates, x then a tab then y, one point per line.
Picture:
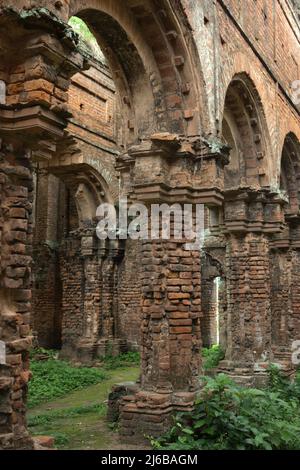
123	360
60	439
288	389
46	418
81	28
36	353
227	416
212	356
54	378
87	40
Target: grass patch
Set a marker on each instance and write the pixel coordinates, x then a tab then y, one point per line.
41	353
46	418
60	439
123	360
77	421
53	378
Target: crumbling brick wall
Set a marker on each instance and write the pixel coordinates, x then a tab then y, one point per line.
16	238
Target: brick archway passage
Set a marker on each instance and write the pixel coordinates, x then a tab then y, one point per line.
33	120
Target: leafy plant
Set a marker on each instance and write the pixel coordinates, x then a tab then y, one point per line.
36	353
227	416
60	439
288	389
212	356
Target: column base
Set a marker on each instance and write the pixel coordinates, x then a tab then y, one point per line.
89	352
111	347
246	374
86	351
115	397
283	359
144	415
11	442
256	374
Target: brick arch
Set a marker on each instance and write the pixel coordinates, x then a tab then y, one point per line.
244	120
89	189
290	172
151	63
72	160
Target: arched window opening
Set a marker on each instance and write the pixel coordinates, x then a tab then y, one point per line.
290	174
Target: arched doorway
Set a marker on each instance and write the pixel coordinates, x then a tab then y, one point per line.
285	258
246	232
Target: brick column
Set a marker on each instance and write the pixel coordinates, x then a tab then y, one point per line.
109	342
171	308
285	305
281	300
165	168
15	294
294	311
171	338
87	345
36	69
248	303
107	295
209	307
294	316
251	220
285	297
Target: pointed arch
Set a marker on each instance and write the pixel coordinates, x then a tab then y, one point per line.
290	173
148	49
244	129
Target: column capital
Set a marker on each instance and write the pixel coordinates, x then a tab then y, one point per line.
289	238
252	210
171	168
39	55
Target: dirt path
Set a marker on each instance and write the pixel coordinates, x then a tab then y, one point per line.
89	431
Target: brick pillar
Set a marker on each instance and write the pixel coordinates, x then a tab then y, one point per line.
107	291
15	295
165	168
109	342
46	311
286	294
209	323
107	323
87	345
248	305
281	300
32	120
222	313
171	338
294	317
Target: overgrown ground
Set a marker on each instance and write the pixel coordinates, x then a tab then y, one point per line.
69	403
230	417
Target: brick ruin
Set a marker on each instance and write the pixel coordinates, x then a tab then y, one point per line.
191	105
